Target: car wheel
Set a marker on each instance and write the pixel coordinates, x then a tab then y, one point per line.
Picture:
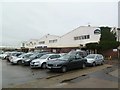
19	62
83	65
94	64
43	65
64	69
102	63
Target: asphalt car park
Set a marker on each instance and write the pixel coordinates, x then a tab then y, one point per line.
17	74
23	77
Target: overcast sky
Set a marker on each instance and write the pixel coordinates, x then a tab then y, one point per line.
22	21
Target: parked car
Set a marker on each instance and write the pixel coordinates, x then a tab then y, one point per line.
95	59
67	62
62	54
19	59
13	55
4	55
32	57
1	52
41	62
80	52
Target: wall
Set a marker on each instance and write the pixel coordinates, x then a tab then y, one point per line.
67	40
111	53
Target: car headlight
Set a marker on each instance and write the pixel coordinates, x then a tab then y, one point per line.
58	65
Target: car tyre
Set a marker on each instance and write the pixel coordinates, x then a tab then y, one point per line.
102	62
83	65
19	62
93	64
43	65
64	69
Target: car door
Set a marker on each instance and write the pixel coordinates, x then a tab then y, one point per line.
97	60
71	62
75	63
79	61
100	59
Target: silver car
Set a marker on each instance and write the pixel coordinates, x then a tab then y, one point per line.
95	59
41	62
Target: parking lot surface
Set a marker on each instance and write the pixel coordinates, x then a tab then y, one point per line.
17	76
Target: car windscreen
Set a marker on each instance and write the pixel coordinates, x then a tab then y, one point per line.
44	56
34	55
90	56
72	53
65	57
22	55
14	54
28	55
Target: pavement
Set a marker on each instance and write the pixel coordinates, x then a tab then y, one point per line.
103	76
84	78
114	73
17	74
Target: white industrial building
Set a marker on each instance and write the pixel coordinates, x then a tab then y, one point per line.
76	38
116	31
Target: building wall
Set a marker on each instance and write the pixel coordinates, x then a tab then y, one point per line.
67	40
110	54
30	44
47	38
116	31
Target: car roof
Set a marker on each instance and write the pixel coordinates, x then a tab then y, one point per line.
51	54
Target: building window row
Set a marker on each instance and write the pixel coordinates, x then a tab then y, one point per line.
82	37
42	42
53	41
26	44
30	44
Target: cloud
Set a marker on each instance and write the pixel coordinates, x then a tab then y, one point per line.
24	20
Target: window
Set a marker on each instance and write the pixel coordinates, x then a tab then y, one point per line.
88	36
34	43
42	42
23	44
53	41
82	37
97	31
75	38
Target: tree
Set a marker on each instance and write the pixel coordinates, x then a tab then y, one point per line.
107	41
92	46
